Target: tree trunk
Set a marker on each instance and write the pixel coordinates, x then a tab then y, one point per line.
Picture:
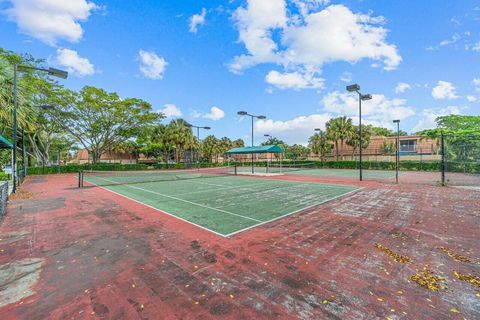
341	144
336	149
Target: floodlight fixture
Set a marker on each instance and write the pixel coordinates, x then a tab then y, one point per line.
242	113
57	73
353	87
365	97
207	128
396	121
262	117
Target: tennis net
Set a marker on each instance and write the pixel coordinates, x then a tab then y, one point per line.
288	167
108	178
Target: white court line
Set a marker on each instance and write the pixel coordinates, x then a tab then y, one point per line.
293	212
190	202
160	210
223	188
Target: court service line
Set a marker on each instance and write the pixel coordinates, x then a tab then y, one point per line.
223	188
190	202
293	212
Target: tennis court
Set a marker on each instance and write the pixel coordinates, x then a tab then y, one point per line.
215	200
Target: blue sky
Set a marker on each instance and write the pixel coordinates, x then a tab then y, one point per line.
287	59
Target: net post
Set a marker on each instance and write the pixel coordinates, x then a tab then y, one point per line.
79	178
442	143
235	169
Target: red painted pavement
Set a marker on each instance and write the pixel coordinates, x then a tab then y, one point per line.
106	257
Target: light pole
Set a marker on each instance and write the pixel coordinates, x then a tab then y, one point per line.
361	97
397	154
245	113
198	133
16	68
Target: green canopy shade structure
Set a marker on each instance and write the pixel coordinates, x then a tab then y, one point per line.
270	149
5	144
258	149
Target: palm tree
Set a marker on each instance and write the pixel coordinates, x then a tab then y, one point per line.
354	141
224	145
209	147
339	129
238	143
181	136
319	144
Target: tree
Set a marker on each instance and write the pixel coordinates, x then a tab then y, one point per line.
209	147
98	120
384	132
273	141
319	144
353	138
180	134
296	152
25	90
459	123
224	145
339	129
388	147
238	143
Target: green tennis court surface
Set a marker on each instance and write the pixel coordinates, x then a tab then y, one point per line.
346	173
343	173
223	204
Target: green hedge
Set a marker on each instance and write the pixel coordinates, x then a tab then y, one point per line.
72	168
368	165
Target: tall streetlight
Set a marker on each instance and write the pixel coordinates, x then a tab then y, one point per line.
17	68
397	154
198	132
245	113
361	97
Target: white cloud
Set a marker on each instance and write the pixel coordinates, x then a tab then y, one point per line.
294	80
427	121
346	77
402	87
215	114
296	130
476	83
476	47
51	20
380	111
197	20
444	90
171	111
308	41
151	65
454	39
74	63
471	98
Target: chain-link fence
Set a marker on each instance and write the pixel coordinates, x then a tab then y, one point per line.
461	159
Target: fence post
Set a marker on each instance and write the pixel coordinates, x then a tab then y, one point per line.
443	165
